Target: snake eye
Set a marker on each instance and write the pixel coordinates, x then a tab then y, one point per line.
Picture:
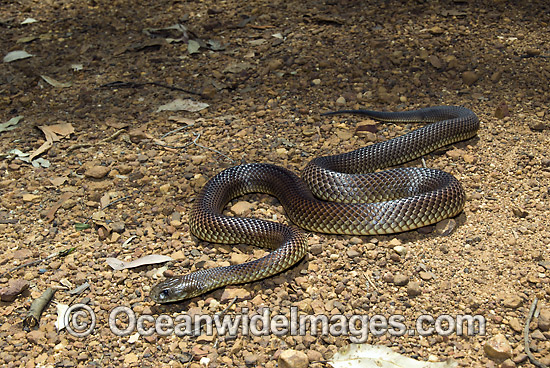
163	294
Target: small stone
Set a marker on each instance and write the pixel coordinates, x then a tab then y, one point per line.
316	82
436	30
435	61
469	159
544	320
97	172
400	280
520	358
515	324
118	226
388	277
164	188
401	250
519	212
498	348
355	240
502	111
36	337
512	301
314	356
238	258
293	359
445	227
455	153
14	288
241	207
508	363
394	242
537	125
231	293
353	253
341	101
316	249
469	77
250	359
537	335
426	276
413	289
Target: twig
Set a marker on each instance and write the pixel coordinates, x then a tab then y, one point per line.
104	140
194	141
61	253
121	84
526	336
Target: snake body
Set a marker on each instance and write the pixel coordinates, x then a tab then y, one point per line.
340	194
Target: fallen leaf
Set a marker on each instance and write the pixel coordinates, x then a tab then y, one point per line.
185	105
56	83
379	356
29	21
182	120
193	47
52	133
10	124
26	39
117	264
57	181
50	215
61	311
16	55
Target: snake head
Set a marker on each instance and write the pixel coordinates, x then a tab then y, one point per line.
178	288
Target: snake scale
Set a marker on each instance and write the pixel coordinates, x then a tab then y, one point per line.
340	194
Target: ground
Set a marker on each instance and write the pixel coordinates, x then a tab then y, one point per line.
267	71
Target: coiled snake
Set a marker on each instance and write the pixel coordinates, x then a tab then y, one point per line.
338	194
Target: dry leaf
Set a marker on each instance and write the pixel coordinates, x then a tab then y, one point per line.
52	133
61	311
117	264
16	55
10	124
379	356
186	105
51	212
57	181
56	83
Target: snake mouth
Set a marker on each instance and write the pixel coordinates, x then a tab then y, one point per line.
175	289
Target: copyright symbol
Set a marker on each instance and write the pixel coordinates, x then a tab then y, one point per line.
80	320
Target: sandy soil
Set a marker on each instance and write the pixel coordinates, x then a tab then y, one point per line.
267	71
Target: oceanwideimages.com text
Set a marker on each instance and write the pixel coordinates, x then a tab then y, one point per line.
123	321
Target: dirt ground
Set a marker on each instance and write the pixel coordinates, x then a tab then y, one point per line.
99	72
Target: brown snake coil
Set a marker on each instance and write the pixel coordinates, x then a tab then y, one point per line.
343	195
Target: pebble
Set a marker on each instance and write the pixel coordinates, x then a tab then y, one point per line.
414	289
353	253
498	347
241	207
519	212
544	319
97	172
537	125
426	276
508	363
400	280
469	77
238	258
341	101
37	337
316	249
401	250
293	359
512	301
231	293
316	82
537	335
388	277
515	324
445	227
